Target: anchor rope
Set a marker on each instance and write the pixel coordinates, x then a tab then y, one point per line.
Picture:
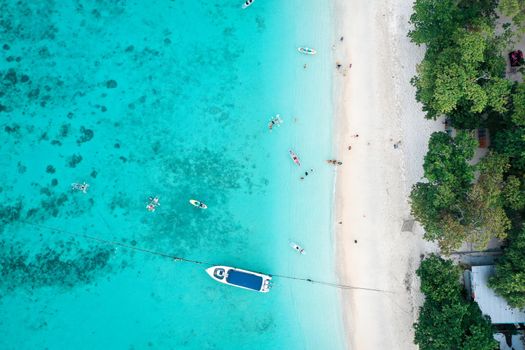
188	260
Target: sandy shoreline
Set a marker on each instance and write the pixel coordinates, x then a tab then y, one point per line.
375	100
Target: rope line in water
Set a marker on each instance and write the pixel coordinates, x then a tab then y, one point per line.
193	261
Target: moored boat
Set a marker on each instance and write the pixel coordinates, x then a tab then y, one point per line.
247	3
306	50
198	204
232	276
295	158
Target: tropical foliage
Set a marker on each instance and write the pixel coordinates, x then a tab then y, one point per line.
515	9
446	320
450	206
462	73
462	78
509	280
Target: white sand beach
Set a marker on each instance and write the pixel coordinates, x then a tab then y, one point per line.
374	99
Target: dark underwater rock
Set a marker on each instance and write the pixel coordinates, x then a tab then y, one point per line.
111	84
11	129
11	77
10	213
50	268
86	135
73	161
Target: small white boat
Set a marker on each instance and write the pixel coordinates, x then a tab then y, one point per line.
297	248
247	3
306	50
198	204
232	276
295	158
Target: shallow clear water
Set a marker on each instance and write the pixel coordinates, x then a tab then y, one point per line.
170	98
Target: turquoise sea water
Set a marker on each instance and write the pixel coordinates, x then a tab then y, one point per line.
166	98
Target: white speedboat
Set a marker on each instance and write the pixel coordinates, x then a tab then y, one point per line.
247	3
297	248
306	50
232	276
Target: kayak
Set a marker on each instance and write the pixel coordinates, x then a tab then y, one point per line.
297	248
198	204
247	3
306	50
295	158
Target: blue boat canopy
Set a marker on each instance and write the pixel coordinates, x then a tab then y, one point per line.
243	279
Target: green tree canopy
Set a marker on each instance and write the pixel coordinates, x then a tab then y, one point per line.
466	74
485	217
509	280
514	193
434	21
451	206
515	9
446	320
518	103
463	69
438	204
509	138
446	164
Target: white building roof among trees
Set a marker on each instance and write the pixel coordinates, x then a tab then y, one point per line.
489	302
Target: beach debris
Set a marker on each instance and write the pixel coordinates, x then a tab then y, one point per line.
153	203
275	121
397	144
355	135
341	38
82	187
